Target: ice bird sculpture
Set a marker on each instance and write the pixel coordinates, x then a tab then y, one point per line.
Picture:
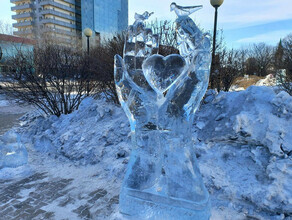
142	17
184	10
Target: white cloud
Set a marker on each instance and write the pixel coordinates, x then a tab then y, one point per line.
270	37
245	13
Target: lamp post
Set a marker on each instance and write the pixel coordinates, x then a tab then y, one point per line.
88	33
216	4
1	53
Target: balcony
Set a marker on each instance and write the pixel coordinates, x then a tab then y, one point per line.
23	24
59	31
54	21
15	1
61	6
21	7
25	32
59	14
73	2
23	15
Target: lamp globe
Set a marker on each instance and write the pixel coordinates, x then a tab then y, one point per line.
216	3
87	32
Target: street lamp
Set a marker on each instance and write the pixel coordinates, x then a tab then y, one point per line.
216	4
1	53
88	33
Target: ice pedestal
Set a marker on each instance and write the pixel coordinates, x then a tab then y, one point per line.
145	209
160	96
163	181
12	152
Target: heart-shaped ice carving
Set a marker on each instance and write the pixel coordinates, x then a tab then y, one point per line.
162	72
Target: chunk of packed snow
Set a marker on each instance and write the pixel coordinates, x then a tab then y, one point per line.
269	80
12	152
257	116
83	136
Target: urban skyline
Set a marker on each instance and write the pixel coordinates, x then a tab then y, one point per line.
65	20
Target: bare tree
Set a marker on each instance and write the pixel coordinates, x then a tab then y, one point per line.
6	28
215	76
230	69
101	66
263	55
51	77
242	58
166	30
251	66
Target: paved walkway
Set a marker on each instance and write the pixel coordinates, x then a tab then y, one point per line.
7	121
30	198
54	190
10	112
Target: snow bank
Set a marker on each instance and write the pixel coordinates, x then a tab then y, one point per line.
269	80
12	152
4	103
83	136
257	116
249	153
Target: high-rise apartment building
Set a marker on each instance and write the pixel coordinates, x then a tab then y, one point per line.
59	19
104	17
65	19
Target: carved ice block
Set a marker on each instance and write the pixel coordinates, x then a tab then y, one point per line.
160	96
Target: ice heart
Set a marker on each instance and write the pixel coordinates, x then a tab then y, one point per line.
162	72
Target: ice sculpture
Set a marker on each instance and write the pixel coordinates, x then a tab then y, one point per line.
160	96
12	152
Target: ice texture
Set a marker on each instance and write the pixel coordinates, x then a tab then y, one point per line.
12	152
160	96
184	11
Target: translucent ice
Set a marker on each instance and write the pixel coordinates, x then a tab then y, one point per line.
161	72
12	152
160	96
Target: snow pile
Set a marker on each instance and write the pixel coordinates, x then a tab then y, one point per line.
257	116
249	153
83	136
12	152
270	80
243	143
4	102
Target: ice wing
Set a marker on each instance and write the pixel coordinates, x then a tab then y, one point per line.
190	9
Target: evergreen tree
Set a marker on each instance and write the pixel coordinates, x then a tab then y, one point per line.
279	56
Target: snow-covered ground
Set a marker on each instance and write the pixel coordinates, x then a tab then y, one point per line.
10	111
243	142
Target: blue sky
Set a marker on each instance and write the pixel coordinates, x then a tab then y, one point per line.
243	21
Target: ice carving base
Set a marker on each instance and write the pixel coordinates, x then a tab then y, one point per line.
162	180
145	209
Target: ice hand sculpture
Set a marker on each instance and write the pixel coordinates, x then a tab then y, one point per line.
160	96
